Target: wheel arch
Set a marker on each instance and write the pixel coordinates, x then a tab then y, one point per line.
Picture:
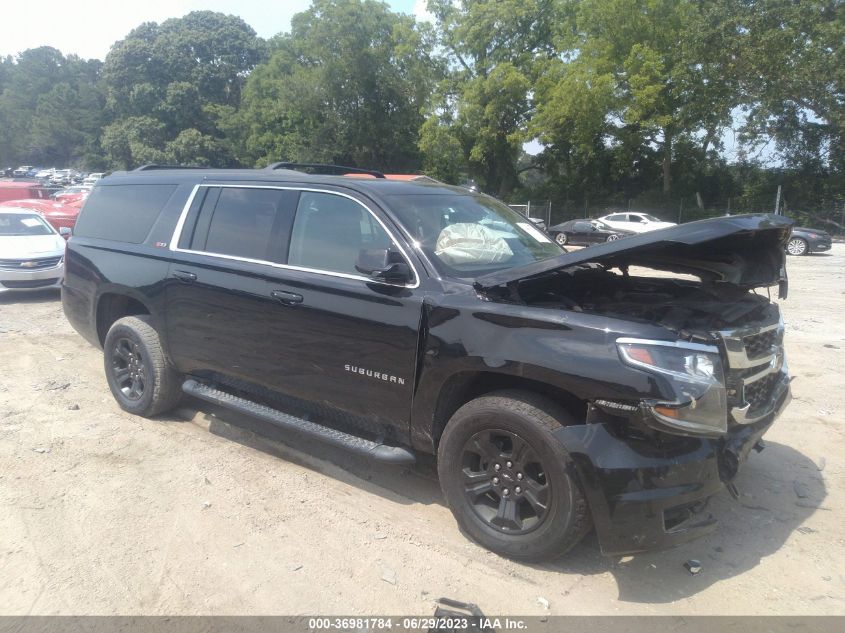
465	386
116	304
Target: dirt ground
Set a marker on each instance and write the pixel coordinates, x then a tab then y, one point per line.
102	512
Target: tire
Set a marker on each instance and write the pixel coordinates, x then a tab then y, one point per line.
797	246
489	503
613	237
140	377
561	239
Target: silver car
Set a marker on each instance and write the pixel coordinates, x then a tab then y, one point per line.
32	252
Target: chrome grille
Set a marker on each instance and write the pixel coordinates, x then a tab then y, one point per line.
754	376
760	345
759	393
22	265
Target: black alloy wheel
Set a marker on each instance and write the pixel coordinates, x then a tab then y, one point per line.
505	482
128	369
139	375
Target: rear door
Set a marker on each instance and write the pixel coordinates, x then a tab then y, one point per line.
264	289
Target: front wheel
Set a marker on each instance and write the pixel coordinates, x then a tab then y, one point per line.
561	239
796	246
140	377
613	237
509	482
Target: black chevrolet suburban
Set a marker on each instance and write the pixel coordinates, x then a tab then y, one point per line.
618	387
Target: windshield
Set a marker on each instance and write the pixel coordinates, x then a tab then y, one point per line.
23	224
471	235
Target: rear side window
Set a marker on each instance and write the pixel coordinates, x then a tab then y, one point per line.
618	218
123	213
252	223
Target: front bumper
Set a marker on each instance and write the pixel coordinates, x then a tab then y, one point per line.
644	495
32	279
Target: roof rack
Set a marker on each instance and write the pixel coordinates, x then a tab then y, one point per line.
328	170
155	167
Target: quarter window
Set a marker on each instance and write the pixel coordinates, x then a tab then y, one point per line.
330	230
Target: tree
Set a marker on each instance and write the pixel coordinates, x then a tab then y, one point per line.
180	74
50	106
636	73
494	48
345	86
790	62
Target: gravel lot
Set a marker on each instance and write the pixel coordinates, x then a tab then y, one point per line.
197	513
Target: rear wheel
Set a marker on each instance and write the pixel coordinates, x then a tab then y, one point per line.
561	239
613	237
140	377
796	246
508	481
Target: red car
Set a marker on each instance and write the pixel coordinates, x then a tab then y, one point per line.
71	196
55	213
22	190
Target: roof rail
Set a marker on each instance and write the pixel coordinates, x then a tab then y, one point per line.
329	170
155	167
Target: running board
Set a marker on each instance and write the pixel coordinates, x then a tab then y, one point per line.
360	445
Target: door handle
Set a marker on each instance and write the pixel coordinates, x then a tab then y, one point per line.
287	298
184	275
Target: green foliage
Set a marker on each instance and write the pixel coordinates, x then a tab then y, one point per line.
173	80
494	48
346	86
630	101
635	73
50	108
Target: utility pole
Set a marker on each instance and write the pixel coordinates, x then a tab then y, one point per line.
777	201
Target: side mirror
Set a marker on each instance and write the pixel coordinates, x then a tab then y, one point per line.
65	232
384	265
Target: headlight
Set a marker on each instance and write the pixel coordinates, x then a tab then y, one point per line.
695	376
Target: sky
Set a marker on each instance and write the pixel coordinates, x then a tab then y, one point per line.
88	28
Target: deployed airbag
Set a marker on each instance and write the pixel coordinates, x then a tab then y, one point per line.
467	244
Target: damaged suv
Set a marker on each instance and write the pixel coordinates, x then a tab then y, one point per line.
619	386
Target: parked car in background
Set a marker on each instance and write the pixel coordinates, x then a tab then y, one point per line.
805	241
32	252
20	190
71	194
61	177
635	222
91	179
56	213
21	171
586	232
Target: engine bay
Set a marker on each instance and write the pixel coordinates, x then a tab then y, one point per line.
686	306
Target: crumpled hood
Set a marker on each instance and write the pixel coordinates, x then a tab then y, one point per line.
746	251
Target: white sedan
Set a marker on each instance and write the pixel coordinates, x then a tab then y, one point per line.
636	222
32	252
